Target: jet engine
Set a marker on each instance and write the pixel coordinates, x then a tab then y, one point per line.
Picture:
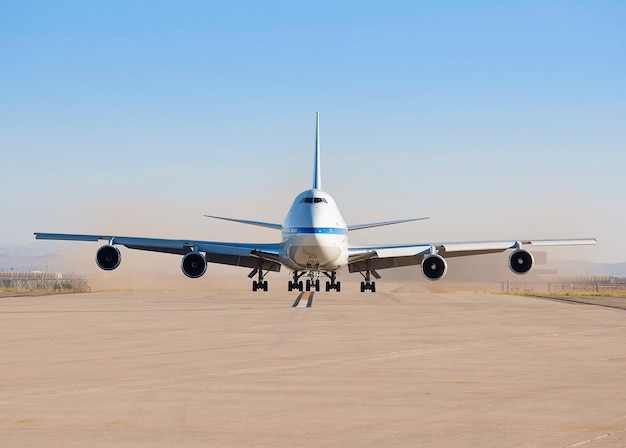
193	265
520	261
108	257
434	267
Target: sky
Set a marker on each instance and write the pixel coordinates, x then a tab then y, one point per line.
496	119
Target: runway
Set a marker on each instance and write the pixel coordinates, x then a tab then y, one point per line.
235	369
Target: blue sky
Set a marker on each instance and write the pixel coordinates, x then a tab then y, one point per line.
496	119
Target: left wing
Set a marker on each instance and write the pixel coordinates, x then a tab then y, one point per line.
252	255
363	258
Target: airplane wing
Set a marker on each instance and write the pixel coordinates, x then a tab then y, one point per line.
362	258
252	255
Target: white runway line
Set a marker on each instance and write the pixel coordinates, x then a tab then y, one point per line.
299	303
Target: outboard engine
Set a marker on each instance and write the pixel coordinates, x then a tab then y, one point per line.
434	267
193	265
520	261
108	257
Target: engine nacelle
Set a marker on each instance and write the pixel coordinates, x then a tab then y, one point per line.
108	257
434	267
520	261
193	265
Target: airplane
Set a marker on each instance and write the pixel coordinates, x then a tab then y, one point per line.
314	243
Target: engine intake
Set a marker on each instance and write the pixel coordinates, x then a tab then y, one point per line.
108	257
193	265
520	261
434	267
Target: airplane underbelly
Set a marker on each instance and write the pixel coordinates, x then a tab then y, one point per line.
324	252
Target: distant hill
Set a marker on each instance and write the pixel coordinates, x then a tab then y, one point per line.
29	257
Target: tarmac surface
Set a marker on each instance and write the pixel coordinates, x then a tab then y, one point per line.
236	369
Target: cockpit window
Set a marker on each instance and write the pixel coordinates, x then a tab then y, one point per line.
313	200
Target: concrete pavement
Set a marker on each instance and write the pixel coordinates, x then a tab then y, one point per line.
235	369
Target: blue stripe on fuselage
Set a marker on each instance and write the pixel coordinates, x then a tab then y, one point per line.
320	230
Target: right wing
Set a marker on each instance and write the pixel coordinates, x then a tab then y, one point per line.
252	255
362	258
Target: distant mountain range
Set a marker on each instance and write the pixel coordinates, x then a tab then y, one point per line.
29	257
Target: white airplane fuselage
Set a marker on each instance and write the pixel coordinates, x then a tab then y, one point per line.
314	234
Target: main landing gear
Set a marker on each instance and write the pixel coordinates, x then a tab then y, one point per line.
313	282
333	283
296	283
368	284
260	284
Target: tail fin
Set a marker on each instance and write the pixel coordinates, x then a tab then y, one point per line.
317	175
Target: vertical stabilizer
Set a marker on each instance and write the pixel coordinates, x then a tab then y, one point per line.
317	175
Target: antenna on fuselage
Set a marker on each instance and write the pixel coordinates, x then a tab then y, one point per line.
317	175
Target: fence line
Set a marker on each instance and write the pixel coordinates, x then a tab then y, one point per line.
40	281
561	286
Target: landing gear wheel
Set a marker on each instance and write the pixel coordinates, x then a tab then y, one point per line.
308	285
332	284
367	276
260	283
295	284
